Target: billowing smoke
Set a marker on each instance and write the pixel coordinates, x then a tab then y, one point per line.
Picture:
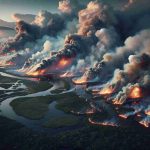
134	17
75	47
135	72
65	6
106	45
45	23
95	17
25	17
116	59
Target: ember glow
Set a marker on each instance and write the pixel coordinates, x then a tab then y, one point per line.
61	65
104	123
101	52
67	75
144	123
90	111
106	91
82	80
123	116
64	62
36	73
117	102
136	92
147	112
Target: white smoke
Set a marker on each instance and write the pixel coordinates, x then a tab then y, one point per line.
65	6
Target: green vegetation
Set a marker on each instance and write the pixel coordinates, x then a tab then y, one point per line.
14	136
58	122
32	108
35	108
7	79
17	137
34	87
71	102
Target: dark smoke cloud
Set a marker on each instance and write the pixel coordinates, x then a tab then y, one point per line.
95	17
135	74
116	59
91	19
113	43
134	17
45	23
130	20
75	46
97	22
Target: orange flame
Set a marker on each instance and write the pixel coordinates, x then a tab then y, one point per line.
117	102
144	123
67	75
136	92
123	116
106	91
81	80
147	112
64	62
36	73
105	123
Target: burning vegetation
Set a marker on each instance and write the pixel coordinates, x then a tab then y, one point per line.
112	44
136	92
82	80
106	91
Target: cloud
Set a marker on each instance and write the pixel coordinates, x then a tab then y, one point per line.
25	17
95	17
45	23
65	6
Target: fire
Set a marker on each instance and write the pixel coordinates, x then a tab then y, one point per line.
123	116
117	101
106	91
67	75
136	92
105	123
61	64
36	73
64	62
147	112
90	111
81	80
144	123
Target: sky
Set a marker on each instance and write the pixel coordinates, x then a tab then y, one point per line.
9	7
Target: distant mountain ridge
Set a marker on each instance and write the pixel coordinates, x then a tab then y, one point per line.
6	28
7	24
16	17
